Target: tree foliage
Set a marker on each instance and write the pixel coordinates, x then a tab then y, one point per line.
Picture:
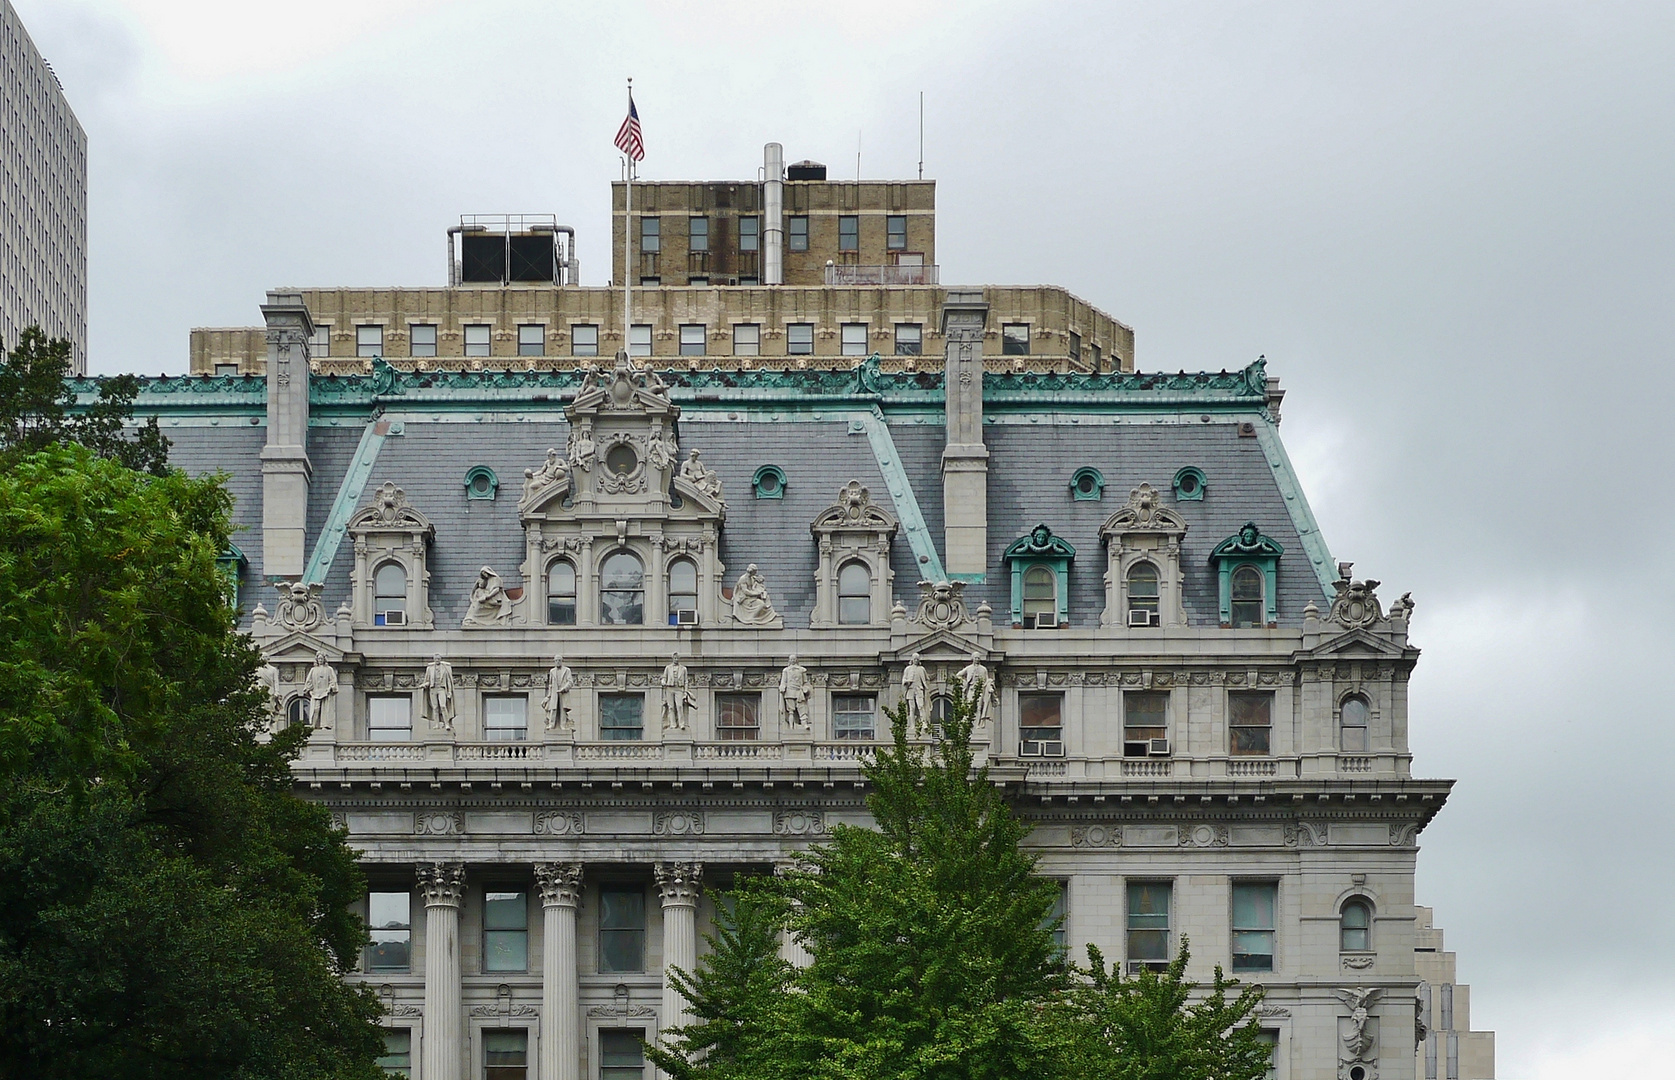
36	408
167	906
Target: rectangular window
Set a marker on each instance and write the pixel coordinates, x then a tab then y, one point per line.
505	930
650	282
622	1054
532	340
639	339
1014	339
622	929
799	339
320	345
622	717
697	281
736	717
849	233
698	234
226	369
1075	346
1039	722
1270	1037
506	718
747	339
895	232
1148	925
796	233
397	1058
651	235
476	339
1144	723
390	718
692	339
910	339
423	339
369	341
854	339
852	717
1059	918
389	918
506	1054
750	234
1250	722
584	340
1253	925
749	281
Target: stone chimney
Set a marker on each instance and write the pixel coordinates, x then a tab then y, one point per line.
286	470
965	460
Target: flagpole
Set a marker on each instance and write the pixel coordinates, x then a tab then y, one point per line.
628	246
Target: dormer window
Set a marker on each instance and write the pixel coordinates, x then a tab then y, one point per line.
389	595
561	593
1087	485
854	594
622	591
683	592
1247	573
1040	564
852	580
1142	595
1246	600
1040	592
1143	563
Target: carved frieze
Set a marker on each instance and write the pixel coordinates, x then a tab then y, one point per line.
1096	836
1203	835
677	823
799	823
438	823
559	823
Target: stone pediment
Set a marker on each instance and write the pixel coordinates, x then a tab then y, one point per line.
389	511
941	646
854	510
1357	642
299	648
1145	513
624	389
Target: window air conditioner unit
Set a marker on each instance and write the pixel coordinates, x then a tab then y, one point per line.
1140	617
1029	748
1046	621
686	617
1051	747
1135	967
1158	748
393	618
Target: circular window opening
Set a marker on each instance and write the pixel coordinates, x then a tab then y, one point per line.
621	460
1189	484
769	484
1358	1073
1085	483
480	484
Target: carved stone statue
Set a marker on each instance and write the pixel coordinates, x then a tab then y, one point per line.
490	606
1359	1039
581	446
267	677
794	691
661	454
979	689
551	471
678	700
751	604
322	687
1355	604
916	695
700	476
560	681
299	606
439	693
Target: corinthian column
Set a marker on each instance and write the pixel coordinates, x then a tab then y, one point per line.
561	891
677	885
444	888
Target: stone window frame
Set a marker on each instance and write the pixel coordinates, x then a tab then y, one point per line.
547	594
415	1031
1354	693
482	1024
853	528
1272	697
1143	530
1040	548
1093	490
1248	547
389	529
414	344
472	488
1365	900
775	490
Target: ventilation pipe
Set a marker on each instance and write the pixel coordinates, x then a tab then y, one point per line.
773	214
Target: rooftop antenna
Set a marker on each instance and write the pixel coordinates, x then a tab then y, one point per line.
921	134
857	156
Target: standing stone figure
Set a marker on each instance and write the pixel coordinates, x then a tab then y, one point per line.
979	689
322	686
489	603
267	677
916	695
751	604
658	452
794	691
678	700
439	693
560	681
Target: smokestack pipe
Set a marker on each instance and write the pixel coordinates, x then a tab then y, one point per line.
773	214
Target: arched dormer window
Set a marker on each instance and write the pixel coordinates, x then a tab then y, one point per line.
854	594
1143	598
1353	717
1040	592
1247	599
622	590
683	592
1040	565
1355	927
389	595
561	593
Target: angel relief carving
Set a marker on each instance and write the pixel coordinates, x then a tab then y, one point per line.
299	606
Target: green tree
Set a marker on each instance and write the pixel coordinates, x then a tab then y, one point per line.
1157	1026
167	906
36	408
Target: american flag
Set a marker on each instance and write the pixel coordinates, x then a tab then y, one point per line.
628	137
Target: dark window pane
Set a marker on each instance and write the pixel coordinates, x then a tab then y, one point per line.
621	717
736	716
797	233
1039	716
849	233
622	930
1014	339
750	234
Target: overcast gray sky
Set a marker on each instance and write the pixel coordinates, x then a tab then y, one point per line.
1449	226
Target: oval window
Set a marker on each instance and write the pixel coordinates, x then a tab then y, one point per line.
621	459
1189	484
769	484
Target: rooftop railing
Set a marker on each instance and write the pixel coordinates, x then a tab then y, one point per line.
880	275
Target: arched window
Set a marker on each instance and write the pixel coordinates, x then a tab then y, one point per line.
1142	595
1041	592
622	591
389	595
561	593
854	594
1247	597
1353	715
296	711
1355	927
683	590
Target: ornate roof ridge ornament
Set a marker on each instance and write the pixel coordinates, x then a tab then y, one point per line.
1144	513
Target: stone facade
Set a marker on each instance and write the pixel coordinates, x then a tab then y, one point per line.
1450	1049
43	198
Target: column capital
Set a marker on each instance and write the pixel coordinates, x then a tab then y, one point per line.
678	883
560	884
443	883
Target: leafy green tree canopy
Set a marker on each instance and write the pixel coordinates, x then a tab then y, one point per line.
36	403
